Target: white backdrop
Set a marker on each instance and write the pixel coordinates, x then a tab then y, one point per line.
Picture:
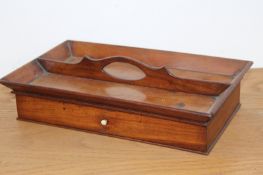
226	28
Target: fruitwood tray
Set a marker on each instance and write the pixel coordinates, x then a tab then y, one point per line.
167	98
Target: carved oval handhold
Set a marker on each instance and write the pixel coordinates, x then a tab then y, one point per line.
124	71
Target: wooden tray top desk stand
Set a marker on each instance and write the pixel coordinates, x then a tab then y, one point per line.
166	98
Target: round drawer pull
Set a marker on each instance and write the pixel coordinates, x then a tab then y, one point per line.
104	122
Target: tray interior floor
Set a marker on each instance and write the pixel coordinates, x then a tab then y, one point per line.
127	92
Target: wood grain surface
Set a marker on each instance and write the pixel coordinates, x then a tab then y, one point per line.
30	148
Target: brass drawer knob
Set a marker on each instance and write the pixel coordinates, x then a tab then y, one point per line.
104	122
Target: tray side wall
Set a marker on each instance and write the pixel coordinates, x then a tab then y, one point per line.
24	74
223	116
184	61
120	124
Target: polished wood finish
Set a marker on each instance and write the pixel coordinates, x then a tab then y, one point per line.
175	101
29	148
121	93
156	77
132	126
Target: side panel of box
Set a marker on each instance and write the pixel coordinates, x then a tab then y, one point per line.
120	124
223	116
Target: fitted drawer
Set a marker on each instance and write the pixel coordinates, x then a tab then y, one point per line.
132	125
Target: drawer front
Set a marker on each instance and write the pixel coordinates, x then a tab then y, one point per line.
110	122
